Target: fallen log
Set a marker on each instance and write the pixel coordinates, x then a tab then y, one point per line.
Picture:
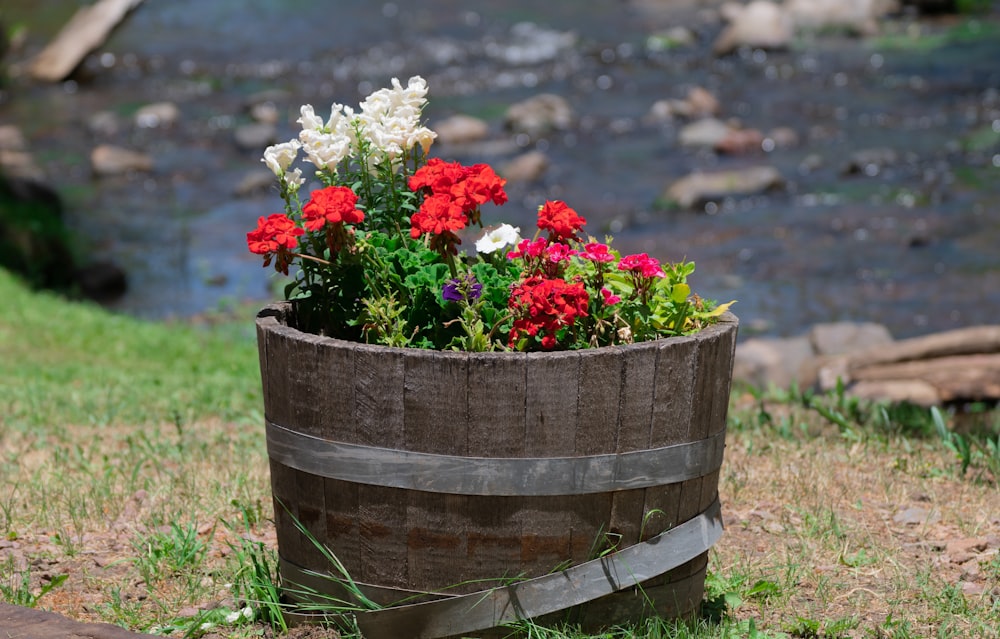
89	27
964	341
961	377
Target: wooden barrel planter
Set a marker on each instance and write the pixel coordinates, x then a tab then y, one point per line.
464	491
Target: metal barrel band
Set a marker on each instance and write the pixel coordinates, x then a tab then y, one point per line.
494	476
487	609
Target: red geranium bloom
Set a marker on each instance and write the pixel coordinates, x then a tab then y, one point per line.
333	205
642	264
437	175
559	220
275	236
543	306
468	187
483	185
596	252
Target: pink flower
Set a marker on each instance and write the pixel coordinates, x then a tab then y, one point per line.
610	299
597	252
643	264
559	253
529	249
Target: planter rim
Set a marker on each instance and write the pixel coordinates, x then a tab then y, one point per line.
273	317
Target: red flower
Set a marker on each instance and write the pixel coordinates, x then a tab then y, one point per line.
468	187
642	264
483	185
275	236
333	205
559	220
543	306
437	176
437	214
596	252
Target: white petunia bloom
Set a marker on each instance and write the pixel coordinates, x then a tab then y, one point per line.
496	239
279	157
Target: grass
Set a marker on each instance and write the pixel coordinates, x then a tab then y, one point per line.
135	491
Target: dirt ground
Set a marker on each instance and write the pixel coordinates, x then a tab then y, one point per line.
820	530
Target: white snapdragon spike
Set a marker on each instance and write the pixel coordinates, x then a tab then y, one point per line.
324	150
391	119
279	157
309	119
495	239
294	179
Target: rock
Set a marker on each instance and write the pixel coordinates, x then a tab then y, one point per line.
527	167
916	516
265	113
531	44
702	102
782	137
539	115
104	123
672	38
159	114
15	159
28	623
88	29
254	182
741	142
34	240
102	281
707	132
857	16
962	550
699	187
256	136
764	362
461	129
107	160
699	103
870	162
838	338
760	24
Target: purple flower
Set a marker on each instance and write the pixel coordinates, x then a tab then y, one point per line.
459	289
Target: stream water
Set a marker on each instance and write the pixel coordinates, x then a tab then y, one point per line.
913	244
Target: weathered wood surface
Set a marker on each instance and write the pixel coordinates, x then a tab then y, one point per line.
29	623
89	27
951	366
491	406
966	341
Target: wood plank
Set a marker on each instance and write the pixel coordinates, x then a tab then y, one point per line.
551	405
88	29
435	414
496	428
596	434
378	413
635	415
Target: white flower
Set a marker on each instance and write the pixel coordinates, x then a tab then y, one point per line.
496	239
309	119
390	119
327	145
279	157
234	616
294	179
